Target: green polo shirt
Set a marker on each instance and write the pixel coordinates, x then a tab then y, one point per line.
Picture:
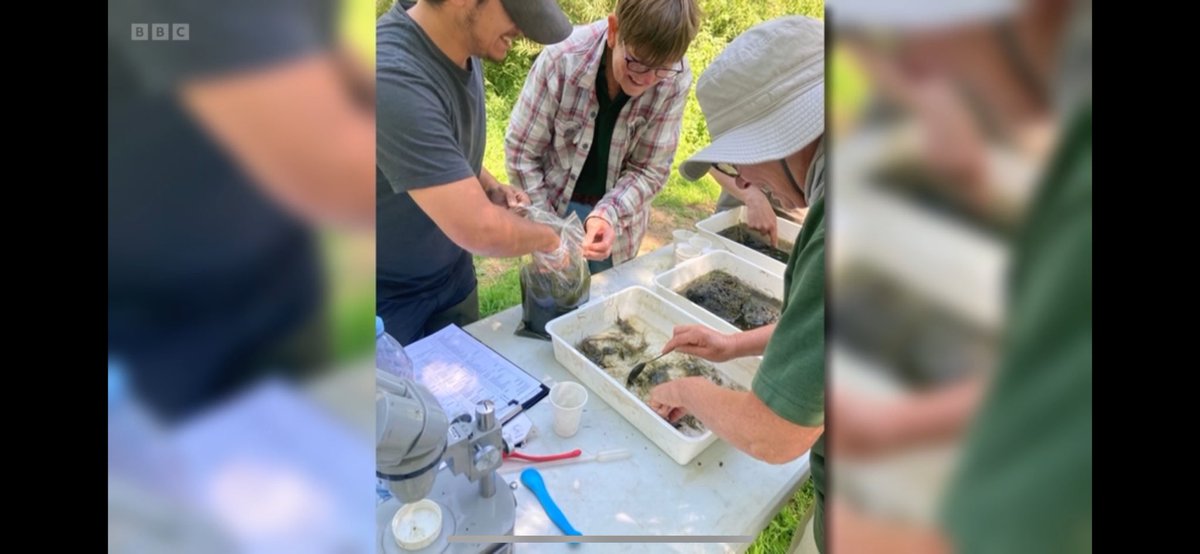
1025	483
791	378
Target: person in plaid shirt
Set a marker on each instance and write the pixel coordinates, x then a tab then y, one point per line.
595	129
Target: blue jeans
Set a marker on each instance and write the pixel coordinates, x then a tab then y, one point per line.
582	210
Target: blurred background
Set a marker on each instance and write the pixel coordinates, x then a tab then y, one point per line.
241	276
960	276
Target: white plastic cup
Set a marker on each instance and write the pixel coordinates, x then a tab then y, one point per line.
701	243
682	235
685	252
568	399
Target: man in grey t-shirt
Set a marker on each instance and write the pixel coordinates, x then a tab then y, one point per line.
435	204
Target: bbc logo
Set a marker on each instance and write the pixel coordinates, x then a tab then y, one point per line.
161	31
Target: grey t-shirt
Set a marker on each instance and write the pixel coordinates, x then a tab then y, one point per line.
430	131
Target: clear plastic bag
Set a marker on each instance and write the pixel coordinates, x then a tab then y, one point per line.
554	283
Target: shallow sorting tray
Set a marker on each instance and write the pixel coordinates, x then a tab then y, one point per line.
669	283
710	227
660	317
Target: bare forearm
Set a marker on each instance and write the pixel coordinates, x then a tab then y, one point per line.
506	235
324	185
461	210
331	198
299	134
742	420
904	539
488	180
937	415
848	530
358	76
753	342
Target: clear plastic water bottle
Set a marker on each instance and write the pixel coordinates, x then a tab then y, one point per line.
389	355
382	494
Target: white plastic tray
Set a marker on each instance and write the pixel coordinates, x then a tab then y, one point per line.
716	223
660	318
670	282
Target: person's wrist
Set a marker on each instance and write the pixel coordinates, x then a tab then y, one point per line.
737	192
551	241
755	198
691	388
728	345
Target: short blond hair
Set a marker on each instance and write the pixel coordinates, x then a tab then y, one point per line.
659	30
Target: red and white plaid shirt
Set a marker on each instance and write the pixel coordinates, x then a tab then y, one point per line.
551	131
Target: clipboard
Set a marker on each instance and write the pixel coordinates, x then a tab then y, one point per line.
460	371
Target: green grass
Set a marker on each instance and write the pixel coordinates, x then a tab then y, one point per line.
681	193
778	535
499	289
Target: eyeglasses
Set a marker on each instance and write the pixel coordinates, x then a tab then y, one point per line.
732	171
728	169
640	68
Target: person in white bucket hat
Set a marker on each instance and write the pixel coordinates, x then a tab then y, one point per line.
763	98
764	108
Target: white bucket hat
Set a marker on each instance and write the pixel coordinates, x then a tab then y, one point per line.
763	97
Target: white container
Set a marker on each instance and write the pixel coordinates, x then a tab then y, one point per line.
670	283
568	399
660	317
788	232
685	252
681	236
702	243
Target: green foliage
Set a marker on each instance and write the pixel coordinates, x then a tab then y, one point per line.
381	6
777	537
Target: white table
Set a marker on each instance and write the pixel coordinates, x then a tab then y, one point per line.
722	492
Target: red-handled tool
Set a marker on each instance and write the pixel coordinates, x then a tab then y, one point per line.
542	458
